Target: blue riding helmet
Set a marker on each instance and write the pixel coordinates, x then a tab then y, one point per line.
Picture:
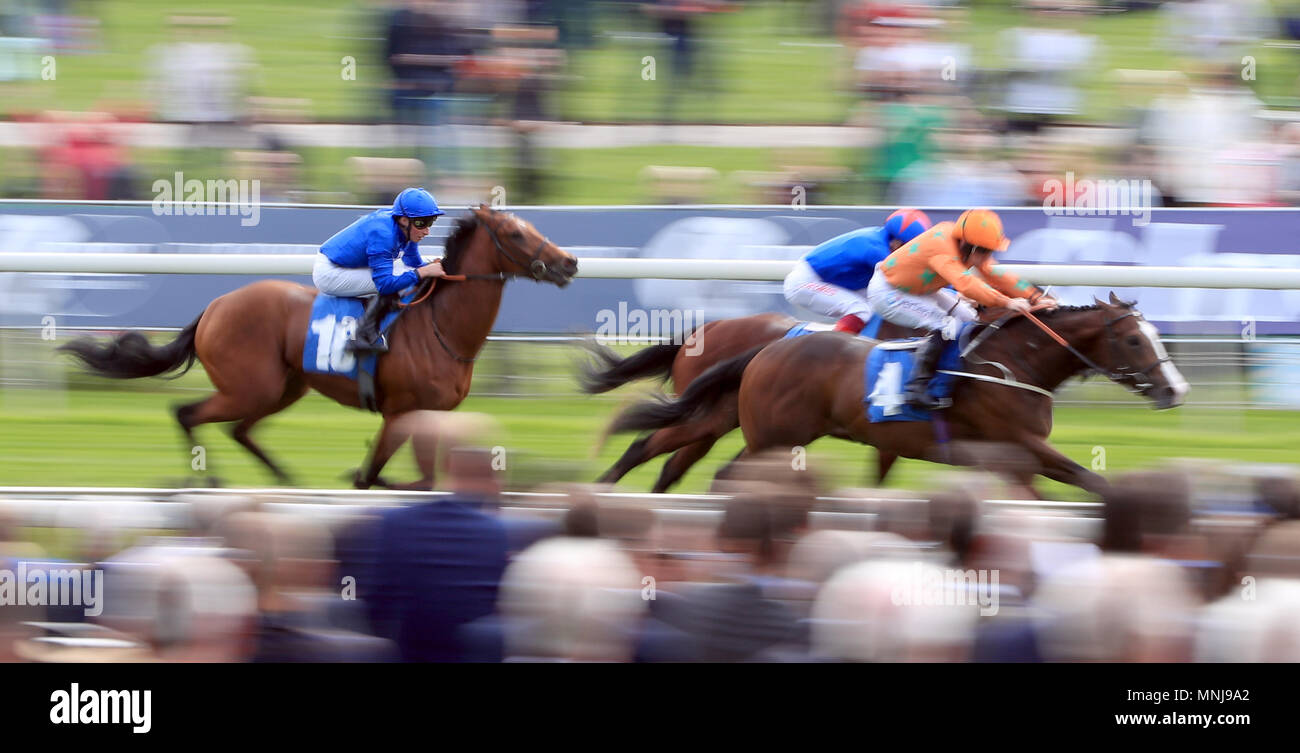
906	224
416	202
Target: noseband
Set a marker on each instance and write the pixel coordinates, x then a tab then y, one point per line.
1141	377
534	264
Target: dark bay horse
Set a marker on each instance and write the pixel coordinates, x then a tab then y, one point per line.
250	341
794	391
681	363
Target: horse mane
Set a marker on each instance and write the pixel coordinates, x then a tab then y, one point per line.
456	243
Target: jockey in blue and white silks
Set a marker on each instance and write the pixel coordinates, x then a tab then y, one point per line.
832	279
357	261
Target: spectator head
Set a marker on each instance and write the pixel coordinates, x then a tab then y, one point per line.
1281	494
576	599
283	554
821	554
1117	607
1139	508
865	613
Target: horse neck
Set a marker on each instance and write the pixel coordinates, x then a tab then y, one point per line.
465	311
1049	364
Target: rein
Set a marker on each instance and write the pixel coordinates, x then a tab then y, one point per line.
1116	375
536	267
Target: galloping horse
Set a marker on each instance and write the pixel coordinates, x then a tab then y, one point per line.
794	391
250	341
709	344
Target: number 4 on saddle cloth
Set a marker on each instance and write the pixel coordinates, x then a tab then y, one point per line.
889	366
332	325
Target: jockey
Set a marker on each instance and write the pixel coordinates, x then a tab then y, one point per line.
832	278
909	289
358	261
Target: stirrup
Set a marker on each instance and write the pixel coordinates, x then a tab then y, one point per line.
380	345
925	401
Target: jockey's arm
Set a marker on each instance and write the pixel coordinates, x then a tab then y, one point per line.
381	271
1008	283
411	256
966	281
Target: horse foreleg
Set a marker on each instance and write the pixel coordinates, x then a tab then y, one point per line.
725	472
1060	468
387	441
884	461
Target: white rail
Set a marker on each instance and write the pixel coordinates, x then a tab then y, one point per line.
673	269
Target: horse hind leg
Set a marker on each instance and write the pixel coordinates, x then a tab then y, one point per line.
681	462
222	407
293	391
669	439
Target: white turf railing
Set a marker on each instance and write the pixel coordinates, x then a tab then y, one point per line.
1263	278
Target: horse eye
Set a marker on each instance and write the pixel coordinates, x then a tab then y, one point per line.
1133	341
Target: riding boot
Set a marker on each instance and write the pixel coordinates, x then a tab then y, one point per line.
925	360
367	338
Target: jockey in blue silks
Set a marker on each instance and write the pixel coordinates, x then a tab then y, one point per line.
358	261
831	280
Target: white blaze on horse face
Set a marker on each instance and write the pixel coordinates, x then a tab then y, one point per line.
1172	375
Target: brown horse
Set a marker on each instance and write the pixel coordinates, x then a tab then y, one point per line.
707	345
794	391
250	341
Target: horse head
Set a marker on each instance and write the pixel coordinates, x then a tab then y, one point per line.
524	251
1130	350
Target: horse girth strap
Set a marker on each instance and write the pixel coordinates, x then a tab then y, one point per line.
433	317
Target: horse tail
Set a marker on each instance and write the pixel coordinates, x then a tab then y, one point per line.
130	356
705	391
609	371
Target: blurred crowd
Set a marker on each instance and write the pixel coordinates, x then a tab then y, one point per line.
1153	574
944	123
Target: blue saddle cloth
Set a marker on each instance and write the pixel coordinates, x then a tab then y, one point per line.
886	372
332	324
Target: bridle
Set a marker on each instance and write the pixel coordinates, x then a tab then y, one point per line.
1137	379
1125	372
537	268
534	265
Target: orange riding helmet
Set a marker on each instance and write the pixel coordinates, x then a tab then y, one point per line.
983	228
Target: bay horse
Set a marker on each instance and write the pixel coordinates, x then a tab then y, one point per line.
795	391
680	363
250	341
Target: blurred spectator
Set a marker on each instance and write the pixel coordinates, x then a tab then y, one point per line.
83	160
1117	608
859	617
290	561
730	618
570	599
1217	31
202	78
1044	63
1196	135
437	565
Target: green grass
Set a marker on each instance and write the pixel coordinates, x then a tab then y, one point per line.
97	433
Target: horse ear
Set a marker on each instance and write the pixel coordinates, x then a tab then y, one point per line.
1098	301
1117	301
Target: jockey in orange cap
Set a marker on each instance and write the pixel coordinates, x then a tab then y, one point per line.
909	288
